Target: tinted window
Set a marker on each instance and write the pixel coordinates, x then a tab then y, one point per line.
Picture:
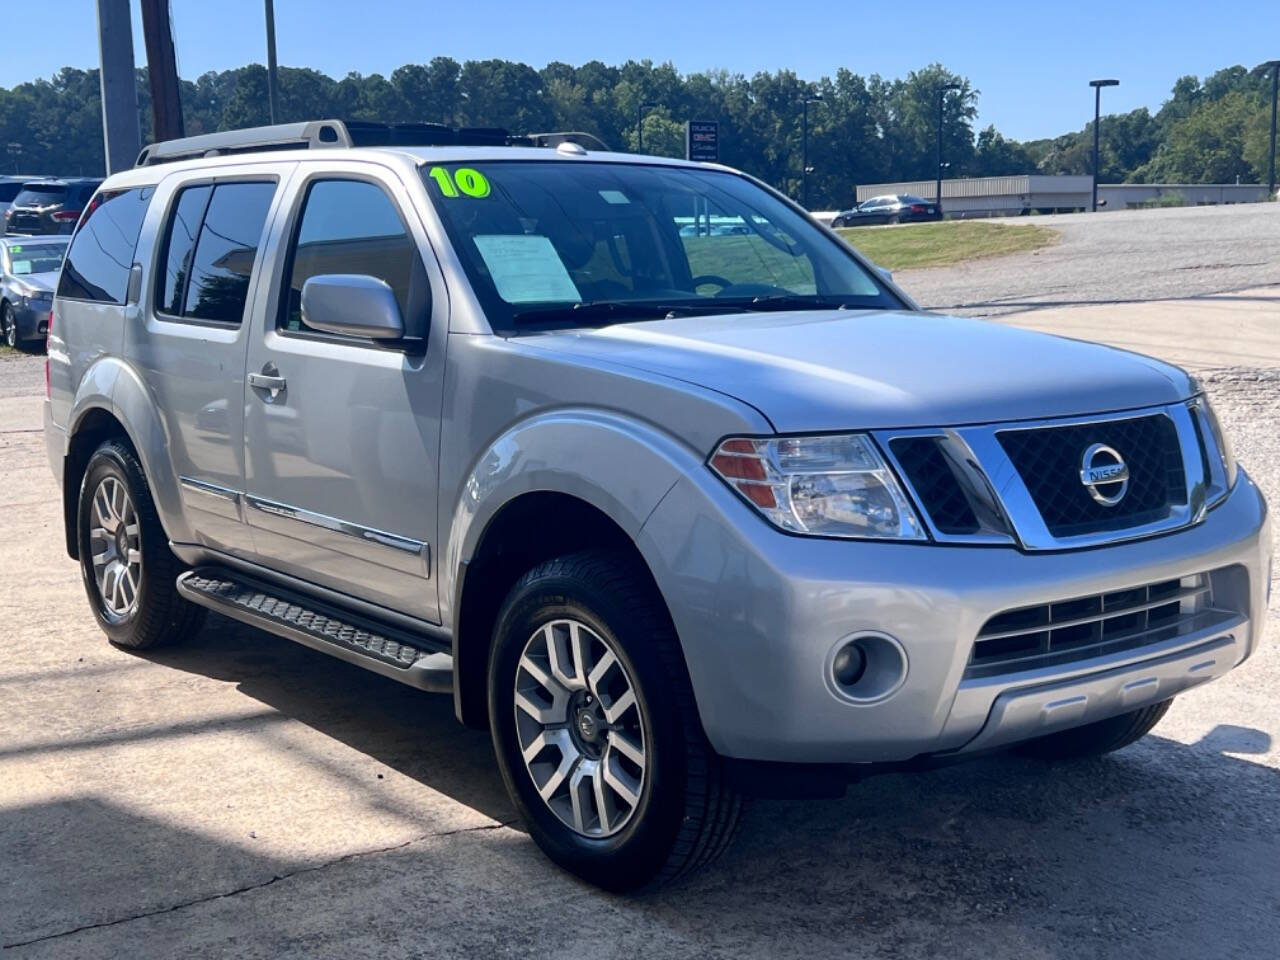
41	194
224	254
8	191
97	266
179	244
350	226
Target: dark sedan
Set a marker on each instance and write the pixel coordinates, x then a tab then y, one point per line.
891	208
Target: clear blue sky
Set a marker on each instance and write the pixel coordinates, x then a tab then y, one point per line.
1030	60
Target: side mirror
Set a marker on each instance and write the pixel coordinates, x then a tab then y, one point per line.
353	305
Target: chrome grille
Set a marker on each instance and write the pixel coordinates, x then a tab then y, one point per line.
1083	627
1049	461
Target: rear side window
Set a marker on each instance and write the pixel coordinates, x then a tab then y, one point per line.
211	242
8	191
101	252
352	226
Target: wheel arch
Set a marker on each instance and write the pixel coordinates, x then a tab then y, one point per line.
527	530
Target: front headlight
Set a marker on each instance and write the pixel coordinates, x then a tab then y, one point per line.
831	486
1221	442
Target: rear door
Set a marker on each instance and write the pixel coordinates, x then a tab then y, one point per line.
343	455
203	272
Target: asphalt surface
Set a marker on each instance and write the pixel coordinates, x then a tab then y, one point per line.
243	796
1115	258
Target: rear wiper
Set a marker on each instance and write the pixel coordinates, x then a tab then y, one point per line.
593	310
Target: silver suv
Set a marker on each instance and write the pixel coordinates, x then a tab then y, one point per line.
680	513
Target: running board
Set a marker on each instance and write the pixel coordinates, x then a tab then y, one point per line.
411	658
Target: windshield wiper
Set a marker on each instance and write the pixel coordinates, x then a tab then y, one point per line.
790	301
609	310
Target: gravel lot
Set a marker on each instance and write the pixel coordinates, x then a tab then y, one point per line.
1124	256
242	796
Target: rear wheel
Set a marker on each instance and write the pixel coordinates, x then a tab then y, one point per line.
1095	739
595	729
129	572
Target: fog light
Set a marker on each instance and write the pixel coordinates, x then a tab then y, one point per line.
849	665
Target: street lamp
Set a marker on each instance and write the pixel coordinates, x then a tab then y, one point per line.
640	109
942	95
804	149
1097	122
1275	97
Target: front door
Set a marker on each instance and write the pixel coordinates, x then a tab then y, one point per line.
342	433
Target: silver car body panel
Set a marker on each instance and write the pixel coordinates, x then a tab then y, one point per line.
374	472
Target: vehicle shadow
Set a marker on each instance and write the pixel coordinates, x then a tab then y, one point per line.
412	732
1165	847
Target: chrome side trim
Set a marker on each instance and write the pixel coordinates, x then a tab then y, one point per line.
418	548
210	489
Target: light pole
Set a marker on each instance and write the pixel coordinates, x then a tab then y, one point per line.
804	149
1097	123
942	96
1275	97
273	81
640	109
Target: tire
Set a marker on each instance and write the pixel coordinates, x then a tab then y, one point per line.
1095	739
11	327
139	607
683	814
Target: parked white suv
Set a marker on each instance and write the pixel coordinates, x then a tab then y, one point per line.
678	514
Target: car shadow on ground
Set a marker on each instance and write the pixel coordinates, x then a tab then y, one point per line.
1166	844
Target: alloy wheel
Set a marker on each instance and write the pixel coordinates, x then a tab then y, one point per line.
580	727
116	547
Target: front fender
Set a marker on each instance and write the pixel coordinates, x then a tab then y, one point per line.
617	464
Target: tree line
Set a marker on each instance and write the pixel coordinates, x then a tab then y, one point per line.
864	130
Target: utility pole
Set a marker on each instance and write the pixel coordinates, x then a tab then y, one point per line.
162	70
121	137
1097	124
273	79
942	98
1275	96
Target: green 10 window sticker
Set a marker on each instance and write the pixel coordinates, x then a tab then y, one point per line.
464	181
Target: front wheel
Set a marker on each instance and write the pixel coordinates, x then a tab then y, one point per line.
10	323
595	728
129	572
1095	739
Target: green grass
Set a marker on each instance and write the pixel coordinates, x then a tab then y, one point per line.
942	244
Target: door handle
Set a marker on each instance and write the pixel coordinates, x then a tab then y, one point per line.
268	380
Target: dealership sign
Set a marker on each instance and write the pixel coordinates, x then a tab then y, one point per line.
702	140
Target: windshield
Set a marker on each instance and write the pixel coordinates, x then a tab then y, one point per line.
550	242
36	257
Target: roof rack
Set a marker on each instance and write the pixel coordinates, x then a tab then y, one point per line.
329	134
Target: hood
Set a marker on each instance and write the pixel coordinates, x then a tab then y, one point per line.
37	282
844	370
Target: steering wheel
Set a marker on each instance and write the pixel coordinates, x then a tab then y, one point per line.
711	278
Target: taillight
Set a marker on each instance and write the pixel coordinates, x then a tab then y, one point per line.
917	208
67	216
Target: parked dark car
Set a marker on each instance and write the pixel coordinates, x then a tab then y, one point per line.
49	206
891	208
28	276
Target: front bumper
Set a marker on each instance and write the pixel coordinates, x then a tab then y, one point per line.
33	319
760	614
